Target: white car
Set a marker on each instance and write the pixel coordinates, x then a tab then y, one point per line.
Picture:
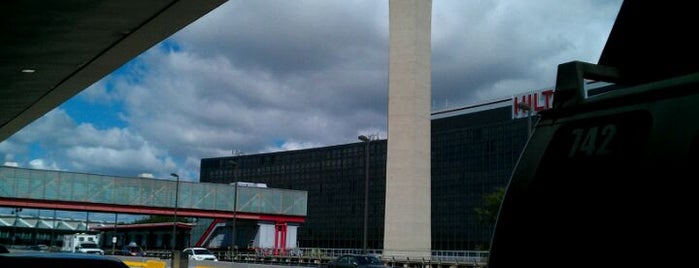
199	254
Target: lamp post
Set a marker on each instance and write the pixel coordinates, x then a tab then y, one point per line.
53	227
235	207
174	225
15	211
114	238
526	107
366	141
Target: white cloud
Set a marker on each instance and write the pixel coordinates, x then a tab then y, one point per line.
478	46
10	164
41	164
82	147
291	145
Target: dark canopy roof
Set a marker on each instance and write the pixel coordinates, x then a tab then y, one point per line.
51	50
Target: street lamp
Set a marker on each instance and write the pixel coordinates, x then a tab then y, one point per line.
526	107
235	207
366	141
15	211
174	225
114	238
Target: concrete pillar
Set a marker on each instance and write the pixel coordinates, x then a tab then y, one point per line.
407	230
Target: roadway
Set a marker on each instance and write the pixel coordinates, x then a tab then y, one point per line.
136	262
296	261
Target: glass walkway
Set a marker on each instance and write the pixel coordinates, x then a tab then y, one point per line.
49	189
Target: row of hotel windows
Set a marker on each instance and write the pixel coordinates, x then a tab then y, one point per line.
343	164
312	155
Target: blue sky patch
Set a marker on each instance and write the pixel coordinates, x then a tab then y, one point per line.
132	71
35	150
100	115
170	46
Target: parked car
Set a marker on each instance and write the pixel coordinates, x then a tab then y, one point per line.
356	261
199	254
132	250
39	247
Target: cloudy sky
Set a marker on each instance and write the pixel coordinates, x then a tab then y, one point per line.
263	76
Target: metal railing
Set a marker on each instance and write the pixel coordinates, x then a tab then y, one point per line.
461	256
320	257
335	252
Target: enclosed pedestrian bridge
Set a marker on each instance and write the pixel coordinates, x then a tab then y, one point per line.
60	190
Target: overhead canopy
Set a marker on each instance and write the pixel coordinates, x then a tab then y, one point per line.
52	50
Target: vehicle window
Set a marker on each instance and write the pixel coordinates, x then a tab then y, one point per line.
201	251
88	245
368	260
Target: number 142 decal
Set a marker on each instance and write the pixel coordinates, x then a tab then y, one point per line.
593	141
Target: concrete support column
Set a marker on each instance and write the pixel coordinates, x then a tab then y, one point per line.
407	230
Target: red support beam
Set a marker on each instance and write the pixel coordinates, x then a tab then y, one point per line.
208	231
280	238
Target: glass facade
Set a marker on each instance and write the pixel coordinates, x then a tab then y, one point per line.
334	180
472	155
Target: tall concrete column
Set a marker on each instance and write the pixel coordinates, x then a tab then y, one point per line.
407	230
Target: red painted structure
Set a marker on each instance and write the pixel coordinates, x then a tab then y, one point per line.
279	238
209	230
220	217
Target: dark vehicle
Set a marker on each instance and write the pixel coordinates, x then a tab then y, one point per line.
132	250
607	178
40	247
59	260
356	261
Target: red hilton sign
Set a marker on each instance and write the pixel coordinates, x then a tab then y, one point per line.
538	100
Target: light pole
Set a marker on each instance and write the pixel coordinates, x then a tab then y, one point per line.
53	227
235	208
366	141
15	211
114	238
526	107
174	224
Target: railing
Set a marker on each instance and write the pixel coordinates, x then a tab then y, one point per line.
321	256
336	252
478	256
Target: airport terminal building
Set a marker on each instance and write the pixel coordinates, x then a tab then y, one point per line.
474	151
